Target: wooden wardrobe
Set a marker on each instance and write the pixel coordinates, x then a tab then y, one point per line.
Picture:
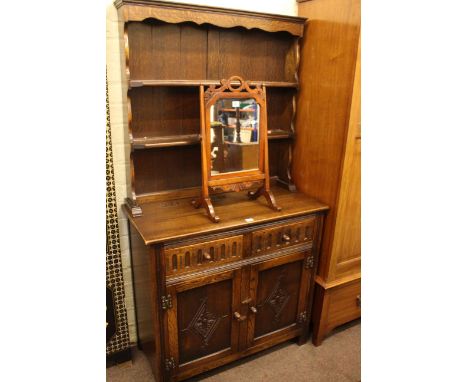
327	153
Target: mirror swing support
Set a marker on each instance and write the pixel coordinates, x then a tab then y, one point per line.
227	159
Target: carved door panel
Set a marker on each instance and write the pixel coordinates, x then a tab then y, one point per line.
280	290
201	324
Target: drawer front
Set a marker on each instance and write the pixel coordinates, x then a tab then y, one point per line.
345	303
194	257
272	239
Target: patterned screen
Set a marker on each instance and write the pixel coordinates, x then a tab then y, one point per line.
117	325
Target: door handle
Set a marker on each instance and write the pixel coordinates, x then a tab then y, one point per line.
206	255
239	317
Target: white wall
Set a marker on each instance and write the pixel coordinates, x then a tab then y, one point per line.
282	7
118	115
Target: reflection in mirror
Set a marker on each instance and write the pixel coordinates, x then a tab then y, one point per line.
234	135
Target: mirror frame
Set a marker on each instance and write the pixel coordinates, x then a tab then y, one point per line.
234	87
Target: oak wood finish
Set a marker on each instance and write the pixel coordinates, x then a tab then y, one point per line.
138	10
177	219
339	304
236	88
205	295
328	129
167	59
194	257
227	309
196	83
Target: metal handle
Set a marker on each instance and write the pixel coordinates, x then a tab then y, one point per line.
239	317
253	309
206	255
247	301
358	300
286	238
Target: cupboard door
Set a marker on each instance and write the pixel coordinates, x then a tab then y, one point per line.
201	323
280	290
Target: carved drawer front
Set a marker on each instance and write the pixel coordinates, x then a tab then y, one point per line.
191	258
272	239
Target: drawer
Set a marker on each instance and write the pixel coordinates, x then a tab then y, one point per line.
344	303
281	236
194	257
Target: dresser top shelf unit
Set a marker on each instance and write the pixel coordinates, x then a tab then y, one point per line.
172	50
139	10
177	219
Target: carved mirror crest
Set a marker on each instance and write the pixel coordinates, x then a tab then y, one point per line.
234	141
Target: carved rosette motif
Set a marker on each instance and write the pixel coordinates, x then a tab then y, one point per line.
277	299
204	323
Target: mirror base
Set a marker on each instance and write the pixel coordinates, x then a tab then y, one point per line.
268	196
206	203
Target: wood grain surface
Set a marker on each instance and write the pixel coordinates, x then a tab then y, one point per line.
177	219
138	10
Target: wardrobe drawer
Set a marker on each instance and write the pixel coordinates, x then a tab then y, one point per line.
345	303
277	237
194	257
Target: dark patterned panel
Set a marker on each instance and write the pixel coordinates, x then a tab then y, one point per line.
114	278
204	320
277	297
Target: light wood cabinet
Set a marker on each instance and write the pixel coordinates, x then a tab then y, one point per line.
327	152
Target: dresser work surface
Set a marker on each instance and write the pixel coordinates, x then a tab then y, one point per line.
177	219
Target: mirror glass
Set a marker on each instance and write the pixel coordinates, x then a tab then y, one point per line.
235	124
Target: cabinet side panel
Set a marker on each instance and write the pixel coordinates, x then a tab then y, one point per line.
143	272
326	73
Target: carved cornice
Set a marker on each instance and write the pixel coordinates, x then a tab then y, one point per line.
236	187
234	84
138	10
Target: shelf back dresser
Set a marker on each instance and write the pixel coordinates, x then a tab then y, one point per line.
209	293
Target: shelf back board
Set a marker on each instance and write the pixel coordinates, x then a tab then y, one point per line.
160	51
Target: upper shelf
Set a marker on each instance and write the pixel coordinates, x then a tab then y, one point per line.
140	83
138	10
189	140
167	141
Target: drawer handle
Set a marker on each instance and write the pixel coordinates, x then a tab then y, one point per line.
286	238
239	317
207	256
253	309
358	300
